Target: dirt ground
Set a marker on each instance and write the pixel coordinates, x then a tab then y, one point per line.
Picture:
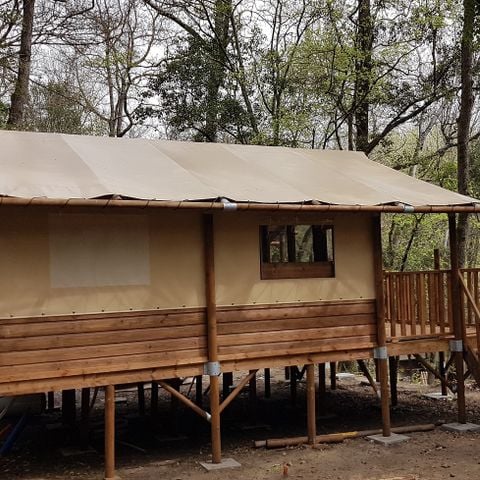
172	445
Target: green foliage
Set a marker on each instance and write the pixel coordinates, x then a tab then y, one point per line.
53	109
181	85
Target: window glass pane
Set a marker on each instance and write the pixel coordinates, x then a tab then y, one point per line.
277	241
329	234
303	244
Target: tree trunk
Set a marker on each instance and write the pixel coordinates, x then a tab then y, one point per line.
19	97
223	9
464	120
363	70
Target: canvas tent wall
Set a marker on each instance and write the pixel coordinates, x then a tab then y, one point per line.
116	293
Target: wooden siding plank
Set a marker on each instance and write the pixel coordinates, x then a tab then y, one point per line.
295	335
71	340
99	351
292	348
101	365
101	325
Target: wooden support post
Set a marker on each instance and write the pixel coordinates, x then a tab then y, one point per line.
68	407
199	390
333	375
457	317
393	370
311	415
109	432
252	388
322	388
377	373
50	401
293	385
154	400
212	340
381	328
141	399
287	373
268	391
226	384
442	371
85	417
175	383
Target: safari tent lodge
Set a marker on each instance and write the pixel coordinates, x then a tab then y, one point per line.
131	260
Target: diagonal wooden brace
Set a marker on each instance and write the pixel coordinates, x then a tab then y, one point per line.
185	400
237	390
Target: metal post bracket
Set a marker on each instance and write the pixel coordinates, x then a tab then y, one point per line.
213	369
380	353
456	345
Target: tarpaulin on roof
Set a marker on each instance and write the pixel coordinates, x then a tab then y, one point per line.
83	167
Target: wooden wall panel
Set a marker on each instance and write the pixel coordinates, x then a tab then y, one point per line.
280	330
51	353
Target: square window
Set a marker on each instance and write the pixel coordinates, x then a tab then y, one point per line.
296	251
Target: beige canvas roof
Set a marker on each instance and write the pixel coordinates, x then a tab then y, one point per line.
59	166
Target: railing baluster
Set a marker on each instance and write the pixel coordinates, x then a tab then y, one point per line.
469	306
441	301
393	290
403	318
413	289
449	302
422	303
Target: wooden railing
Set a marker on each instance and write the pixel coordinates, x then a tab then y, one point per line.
419	303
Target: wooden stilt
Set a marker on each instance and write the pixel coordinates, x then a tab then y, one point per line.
199	390
442	371
267	383
252	388
311	414
154	400
381	329
457	317
226	384
393	370
68	407
50	401
174	404
333	375
293	385
287	373
141	399
85	417
109	432
215	420
322	388
212	340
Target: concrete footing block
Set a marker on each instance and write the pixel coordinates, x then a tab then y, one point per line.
225	463
460	427
391	440
438	396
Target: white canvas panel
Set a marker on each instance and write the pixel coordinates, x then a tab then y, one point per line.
98	250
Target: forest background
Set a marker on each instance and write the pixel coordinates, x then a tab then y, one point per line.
395	79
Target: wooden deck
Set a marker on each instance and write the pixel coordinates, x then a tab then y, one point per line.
418	310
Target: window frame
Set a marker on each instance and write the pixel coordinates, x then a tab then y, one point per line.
293	269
